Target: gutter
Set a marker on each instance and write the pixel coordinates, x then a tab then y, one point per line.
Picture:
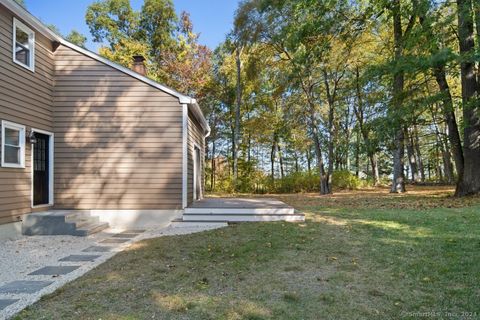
197	112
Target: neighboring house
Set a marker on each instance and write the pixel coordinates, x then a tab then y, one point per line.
81	132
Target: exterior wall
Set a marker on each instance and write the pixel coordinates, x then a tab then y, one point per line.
195	136
118	141
25	98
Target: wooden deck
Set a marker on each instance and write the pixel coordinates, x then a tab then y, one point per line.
241	209
239	203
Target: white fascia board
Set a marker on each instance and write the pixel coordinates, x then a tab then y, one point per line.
197	112
182	98
27	17
30	19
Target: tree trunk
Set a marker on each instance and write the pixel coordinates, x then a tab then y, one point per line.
447	166
237	116
330	126
418	155
411	157
450	119
296	162
232	138
375	172
476	9
359	112
438	168
272	156
280	159
357	155
309	160
446	96
324	183
443	143
347	138
470	182
398	182
212	178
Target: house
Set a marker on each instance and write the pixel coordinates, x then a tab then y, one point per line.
81	132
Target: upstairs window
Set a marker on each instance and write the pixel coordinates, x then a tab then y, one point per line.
13	145
23	45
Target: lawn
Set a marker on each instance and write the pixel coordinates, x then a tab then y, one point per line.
359	255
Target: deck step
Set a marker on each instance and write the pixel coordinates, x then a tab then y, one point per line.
239	217
250	211
179	223
62	222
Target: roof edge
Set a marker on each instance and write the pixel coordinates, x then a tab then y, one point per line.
40	26
23	13
197	112
182	98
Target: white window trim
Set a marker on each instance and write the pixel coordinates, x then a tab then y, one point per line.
31	43
21	129
50	169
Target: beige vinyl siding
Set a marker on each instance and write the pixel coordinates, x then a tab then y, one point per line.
195	136
26	99
118	141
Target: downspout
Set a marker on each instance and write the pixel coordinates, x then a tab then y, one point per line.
184	155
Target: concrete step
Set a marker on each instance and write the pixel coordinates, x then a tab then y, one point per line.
250	211
296	217
74	215
85	221
61	222
92	228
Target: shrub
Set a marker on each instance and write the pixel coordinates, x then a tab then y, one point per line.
297	182
344	179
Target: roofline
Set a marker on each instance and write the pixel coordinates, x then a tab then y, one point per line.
37	24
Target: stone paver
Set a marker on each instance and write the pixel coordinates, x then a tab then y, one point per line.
22	286
29	254
54	270
125	235
113	240
79	257
97	249
6	302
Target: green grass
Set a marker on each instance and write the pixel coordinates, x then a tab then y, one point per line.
382	262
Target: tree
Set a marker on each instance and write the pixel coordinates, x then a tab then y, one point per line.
300	84
470	181
398	183
238	105
174	56
438	60
76	38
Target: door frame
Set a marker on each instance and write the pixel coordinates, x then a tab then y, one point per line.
195	173
50	168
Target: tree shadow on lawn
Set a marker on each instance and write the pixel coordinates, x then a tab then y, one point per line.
339	264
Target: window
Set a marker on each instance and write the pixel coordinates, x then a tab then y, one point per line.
23	45
13	145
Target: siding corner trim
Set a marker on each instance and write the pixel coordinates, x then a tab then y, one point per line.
184	155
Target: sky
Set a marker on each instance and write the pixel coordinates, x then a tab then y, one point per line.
211	18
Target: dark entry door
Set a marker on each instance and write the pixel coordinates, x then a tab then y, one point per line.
41	169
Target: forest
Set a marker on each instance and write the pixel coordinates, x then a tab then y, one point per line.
309	96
